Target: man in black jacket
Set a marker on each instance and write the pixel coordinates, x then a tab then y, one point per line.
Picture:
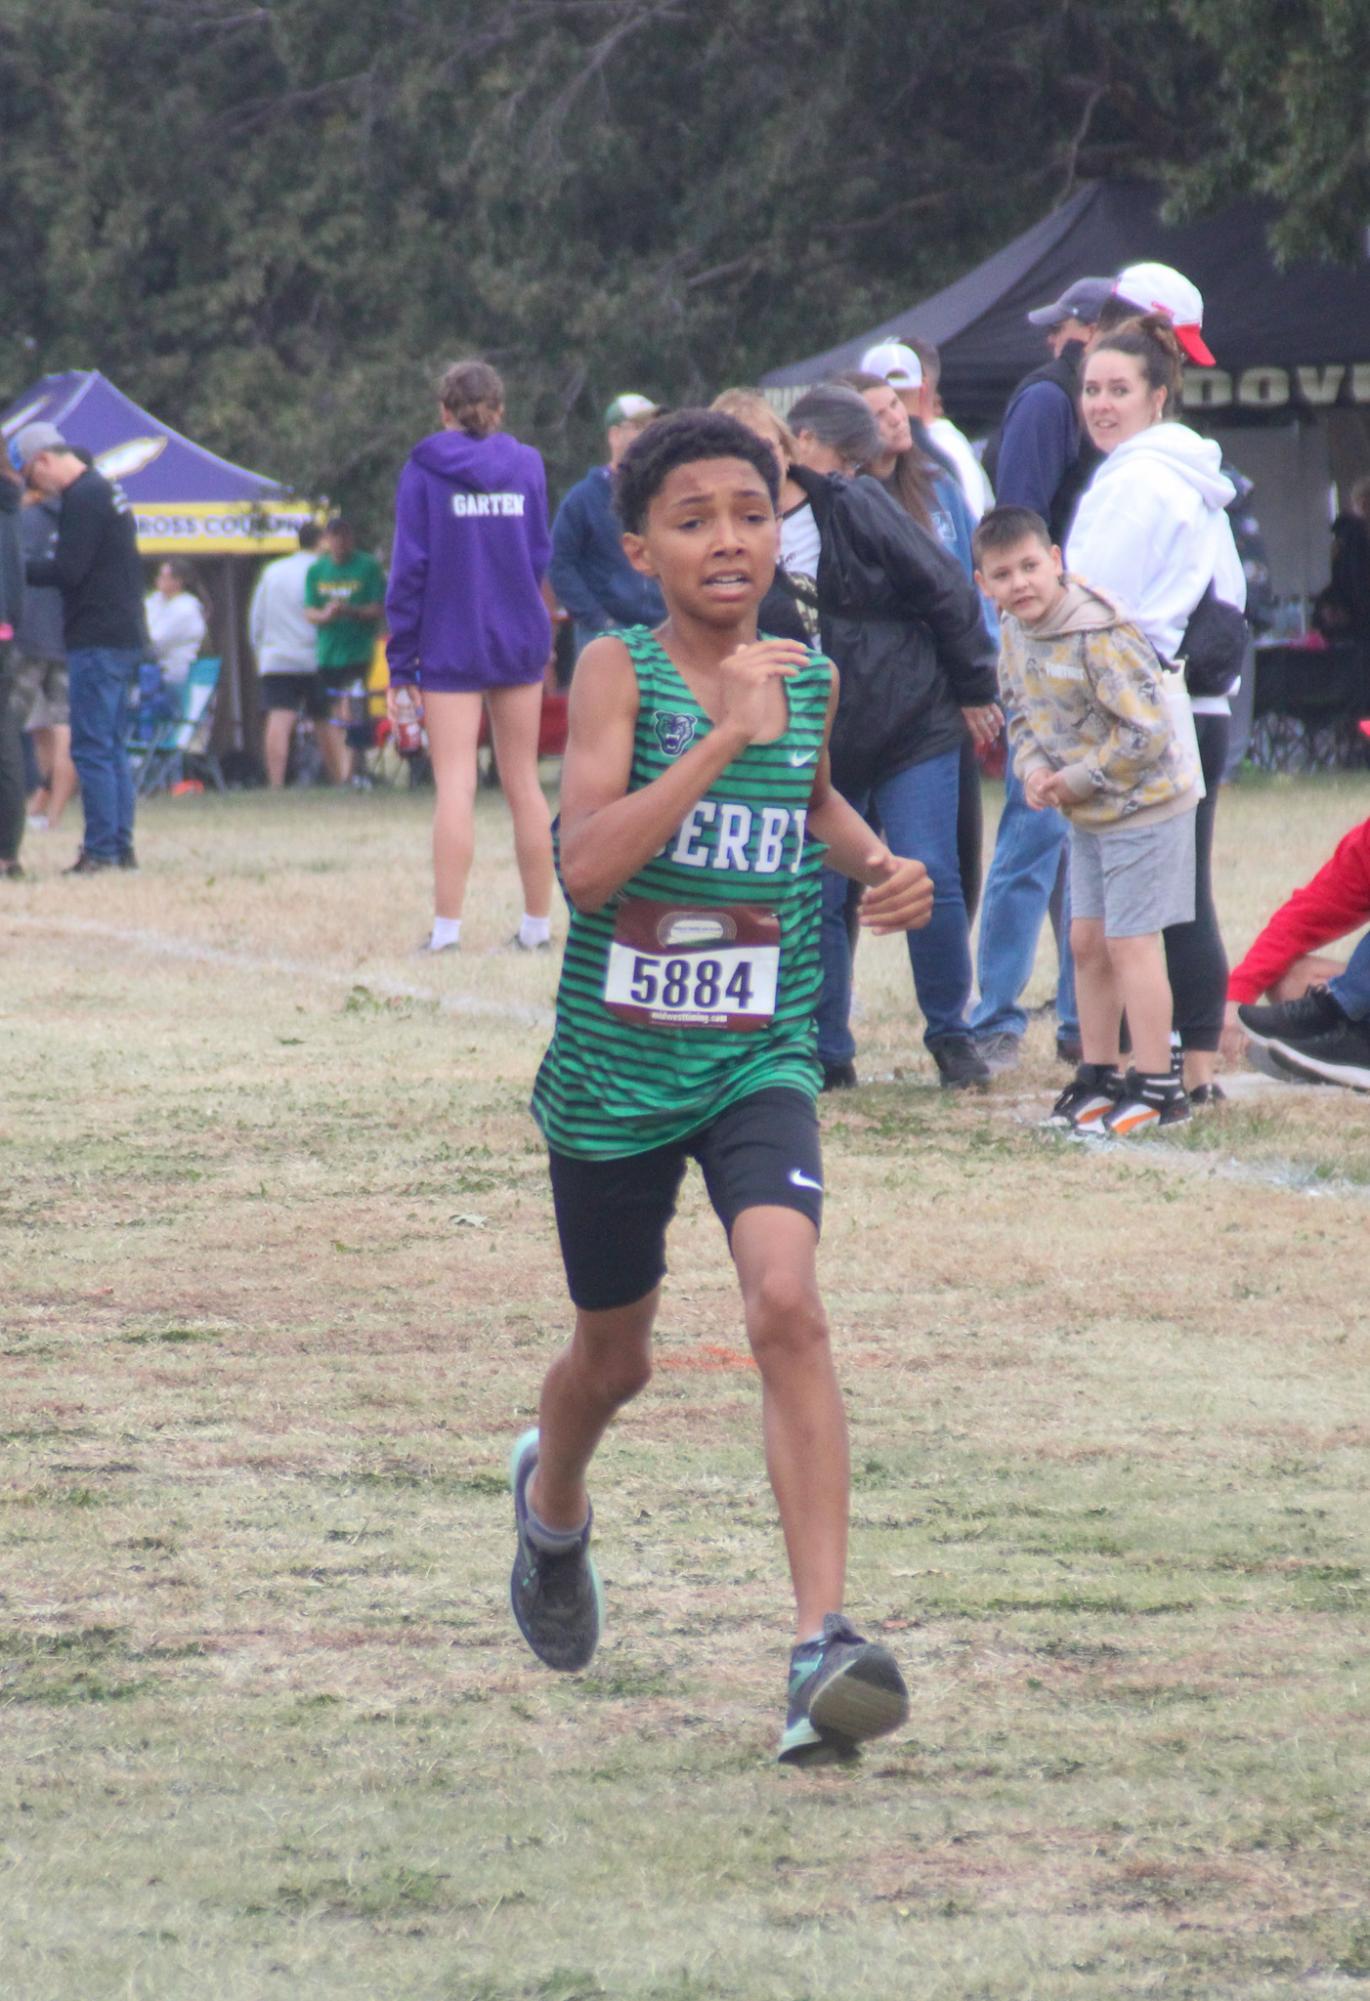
1042	460
94	564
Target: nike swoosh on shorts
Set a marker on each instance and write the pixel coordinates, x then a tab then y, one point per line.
804	1181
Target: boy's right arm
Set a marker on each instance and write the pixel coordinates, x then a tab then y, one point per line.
607	832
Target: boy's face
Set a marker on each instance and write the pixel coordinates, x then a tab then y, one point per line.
711	540
1025	578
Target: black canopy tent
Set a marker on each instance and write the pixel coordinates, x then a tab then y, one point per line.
1290	400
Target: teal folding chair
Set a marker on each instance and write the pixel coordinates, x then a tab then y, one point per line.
182	736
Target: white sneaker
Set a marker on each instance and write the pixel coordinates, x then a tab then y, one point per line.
38	823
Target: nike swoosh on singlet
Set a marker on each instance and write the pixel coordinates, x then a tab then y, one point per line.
802	757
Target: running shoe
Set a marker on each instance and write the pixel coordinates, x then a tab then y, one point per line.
843	1689
556	1598
838	1077
1313	1013
516	944
1341	1055
1087	1099
1146	1102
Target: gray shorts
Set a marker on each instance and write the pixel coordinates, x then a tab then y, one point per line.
1137	879
40	694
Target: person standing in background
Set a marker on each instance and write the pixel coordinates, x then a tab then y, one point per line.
1041	460
469	627
589	572
44	710
283	640
176	620
95	565
11	611
345	601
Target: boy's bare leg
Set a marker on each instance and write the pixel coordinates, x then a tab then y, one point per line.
805	1424
1096	991
1139	972
603	1366
280	728
332	735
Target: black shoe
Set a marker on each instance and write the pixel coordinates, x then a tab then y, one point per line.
839	1077
556	1598
842	1690
88	864
1069	1049
128	860
1340	1055
959	1067
1208	1094
999	1051
11	871
1314	1013
1088	1098
1146	1102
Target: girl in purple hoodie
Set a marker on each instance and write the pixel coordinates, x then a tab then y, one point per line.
468	625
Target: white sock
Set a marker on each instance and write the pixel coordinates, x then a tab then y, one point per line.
446	931
534	931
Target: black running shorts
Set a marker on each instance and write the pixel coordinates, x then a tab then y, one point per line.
612	1215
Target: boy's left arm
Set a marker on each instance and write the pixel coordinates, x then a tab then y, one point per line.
898	894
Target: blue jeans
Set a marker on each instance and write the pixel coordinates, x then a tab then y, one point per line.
100	679
916	809
1022	875
1351	989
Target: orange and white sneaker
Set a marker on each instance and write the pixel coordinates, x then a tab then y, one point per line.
1146	1102
1088	1099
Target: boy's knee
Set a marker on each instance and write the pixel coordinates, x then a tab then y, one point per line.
622	1369
785	1317
1088	946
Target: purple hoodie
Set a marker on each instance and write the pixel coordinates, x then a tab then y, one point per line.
464	607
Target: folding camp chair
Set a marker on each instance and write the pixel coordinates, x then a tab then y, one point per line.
162	761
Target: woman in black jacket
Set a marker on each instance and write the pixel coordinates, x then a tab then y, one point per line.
893	609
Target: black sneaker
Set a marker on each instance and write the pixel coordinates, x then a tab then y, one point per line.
1069	1049
1314	1013
1207	1094
843	1689
959	1067
1087	1099
1341	1055
88	864
128	860
1146	1102
556	1599
839	1077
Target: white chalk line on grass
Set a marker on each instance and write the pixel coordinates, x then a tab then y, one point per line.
190	951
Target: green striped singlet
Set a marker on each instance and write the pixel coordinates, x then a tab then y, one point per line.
609	1088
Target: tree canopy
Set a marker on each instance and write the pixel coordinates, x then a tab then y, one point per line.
274	223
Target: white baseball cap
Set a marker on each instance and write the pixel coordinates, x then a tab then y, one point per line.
630	409
898	364
1158	288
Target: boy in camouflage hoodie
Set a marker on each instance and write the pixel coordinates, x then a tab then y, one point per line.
1092	732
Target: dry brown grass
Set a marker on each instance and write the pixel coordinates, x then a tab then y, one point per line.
279	1284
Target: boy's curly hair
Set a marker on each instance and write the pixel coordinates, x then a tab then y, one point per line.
678	440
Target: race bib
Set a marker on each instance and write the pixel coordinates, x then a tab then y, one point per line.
673	966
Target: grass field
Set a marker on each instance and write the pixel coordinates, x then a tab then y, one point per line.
279	1282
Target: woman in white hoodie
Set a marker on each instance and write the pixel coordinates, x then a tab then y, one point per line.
1151	530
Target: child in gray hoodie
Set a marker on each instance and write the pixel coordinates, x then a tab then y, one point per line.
1093	733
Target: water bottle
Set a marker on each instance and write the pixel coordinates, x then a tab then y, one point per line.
408	722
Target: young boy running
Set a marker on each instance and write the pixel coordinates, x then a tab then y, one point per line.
696	813
1091	734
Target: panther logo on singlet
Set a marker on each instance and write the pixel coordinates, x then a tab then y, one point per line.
673	732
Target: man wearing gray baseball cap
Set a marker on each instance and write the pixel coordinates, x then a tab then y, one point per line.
94	564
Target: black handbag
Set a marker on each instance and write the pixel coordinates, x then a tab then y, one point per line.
1214	645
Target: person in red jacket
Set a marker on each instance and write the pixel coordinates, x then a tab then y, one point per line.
1317	1023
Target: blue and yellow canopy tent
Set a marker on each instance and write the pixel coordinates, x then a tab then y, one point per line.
188	501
